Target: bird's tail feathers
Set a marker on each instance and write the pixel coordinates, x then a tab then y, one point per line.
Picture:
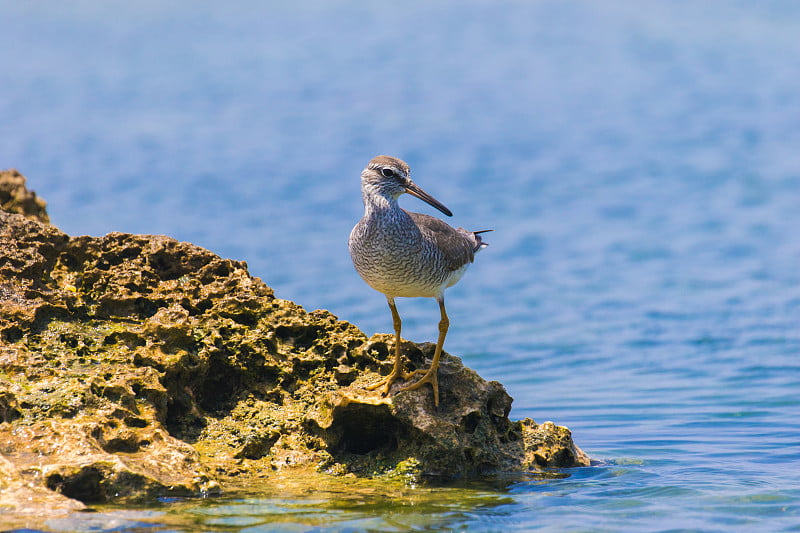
479	244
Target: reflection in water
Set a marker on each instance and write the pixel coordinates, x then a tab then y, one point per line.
297	503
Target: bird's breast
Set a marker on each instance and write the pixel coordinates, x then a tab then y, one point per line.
394	258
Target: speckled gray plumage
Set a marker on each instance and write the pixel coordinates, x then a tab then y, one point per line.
401	253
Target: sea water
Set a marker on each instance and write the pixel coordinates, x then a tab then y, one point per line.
638	161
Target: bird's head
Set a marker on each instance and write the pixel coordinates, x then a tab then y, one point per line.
390	177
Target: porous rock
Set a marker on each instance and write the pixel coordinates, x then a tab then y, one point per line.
133	366
16	198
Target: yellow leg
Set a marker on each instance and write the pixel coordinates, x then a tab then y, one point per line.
398	372
431	375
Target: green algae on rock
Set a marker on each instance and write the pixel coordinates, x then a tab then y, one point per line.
133	366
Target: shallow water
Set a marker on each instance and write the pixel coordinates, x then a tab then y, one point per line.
639	163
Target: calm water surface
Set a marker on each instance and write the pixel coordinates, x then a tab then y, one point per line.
639	162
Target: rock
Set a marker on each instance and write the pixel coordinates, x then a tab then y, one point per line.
133	366
22	499
469	434
16	198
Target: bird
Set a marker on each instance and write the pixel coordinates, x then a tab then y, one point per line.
404	254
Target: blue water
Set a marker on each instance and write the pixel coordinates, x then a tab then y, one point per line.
639	162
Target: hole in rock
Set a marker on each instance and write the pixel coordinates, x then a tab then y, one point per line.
84	485
12	334
124	445
362	429
183	420
135	422
470	422
222	383
166	265
301	337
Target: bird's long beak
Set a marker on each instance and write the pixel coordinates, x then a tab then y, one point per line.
414	190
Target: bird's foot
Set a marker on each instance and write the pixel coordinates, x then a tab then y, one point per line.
431	376
388	381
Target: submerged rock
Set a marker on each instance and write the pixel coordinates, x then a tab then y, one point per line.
133	366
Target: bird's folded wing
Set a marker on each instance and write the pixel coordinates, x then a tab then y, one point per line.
456	244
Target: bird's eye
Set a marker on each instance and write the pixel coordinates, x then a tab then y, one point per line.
387	172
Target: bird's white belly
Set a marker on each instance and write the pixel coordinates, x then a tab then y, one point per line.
455	277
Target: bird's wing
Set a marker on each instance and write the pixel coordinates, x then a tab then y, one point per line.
457	245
